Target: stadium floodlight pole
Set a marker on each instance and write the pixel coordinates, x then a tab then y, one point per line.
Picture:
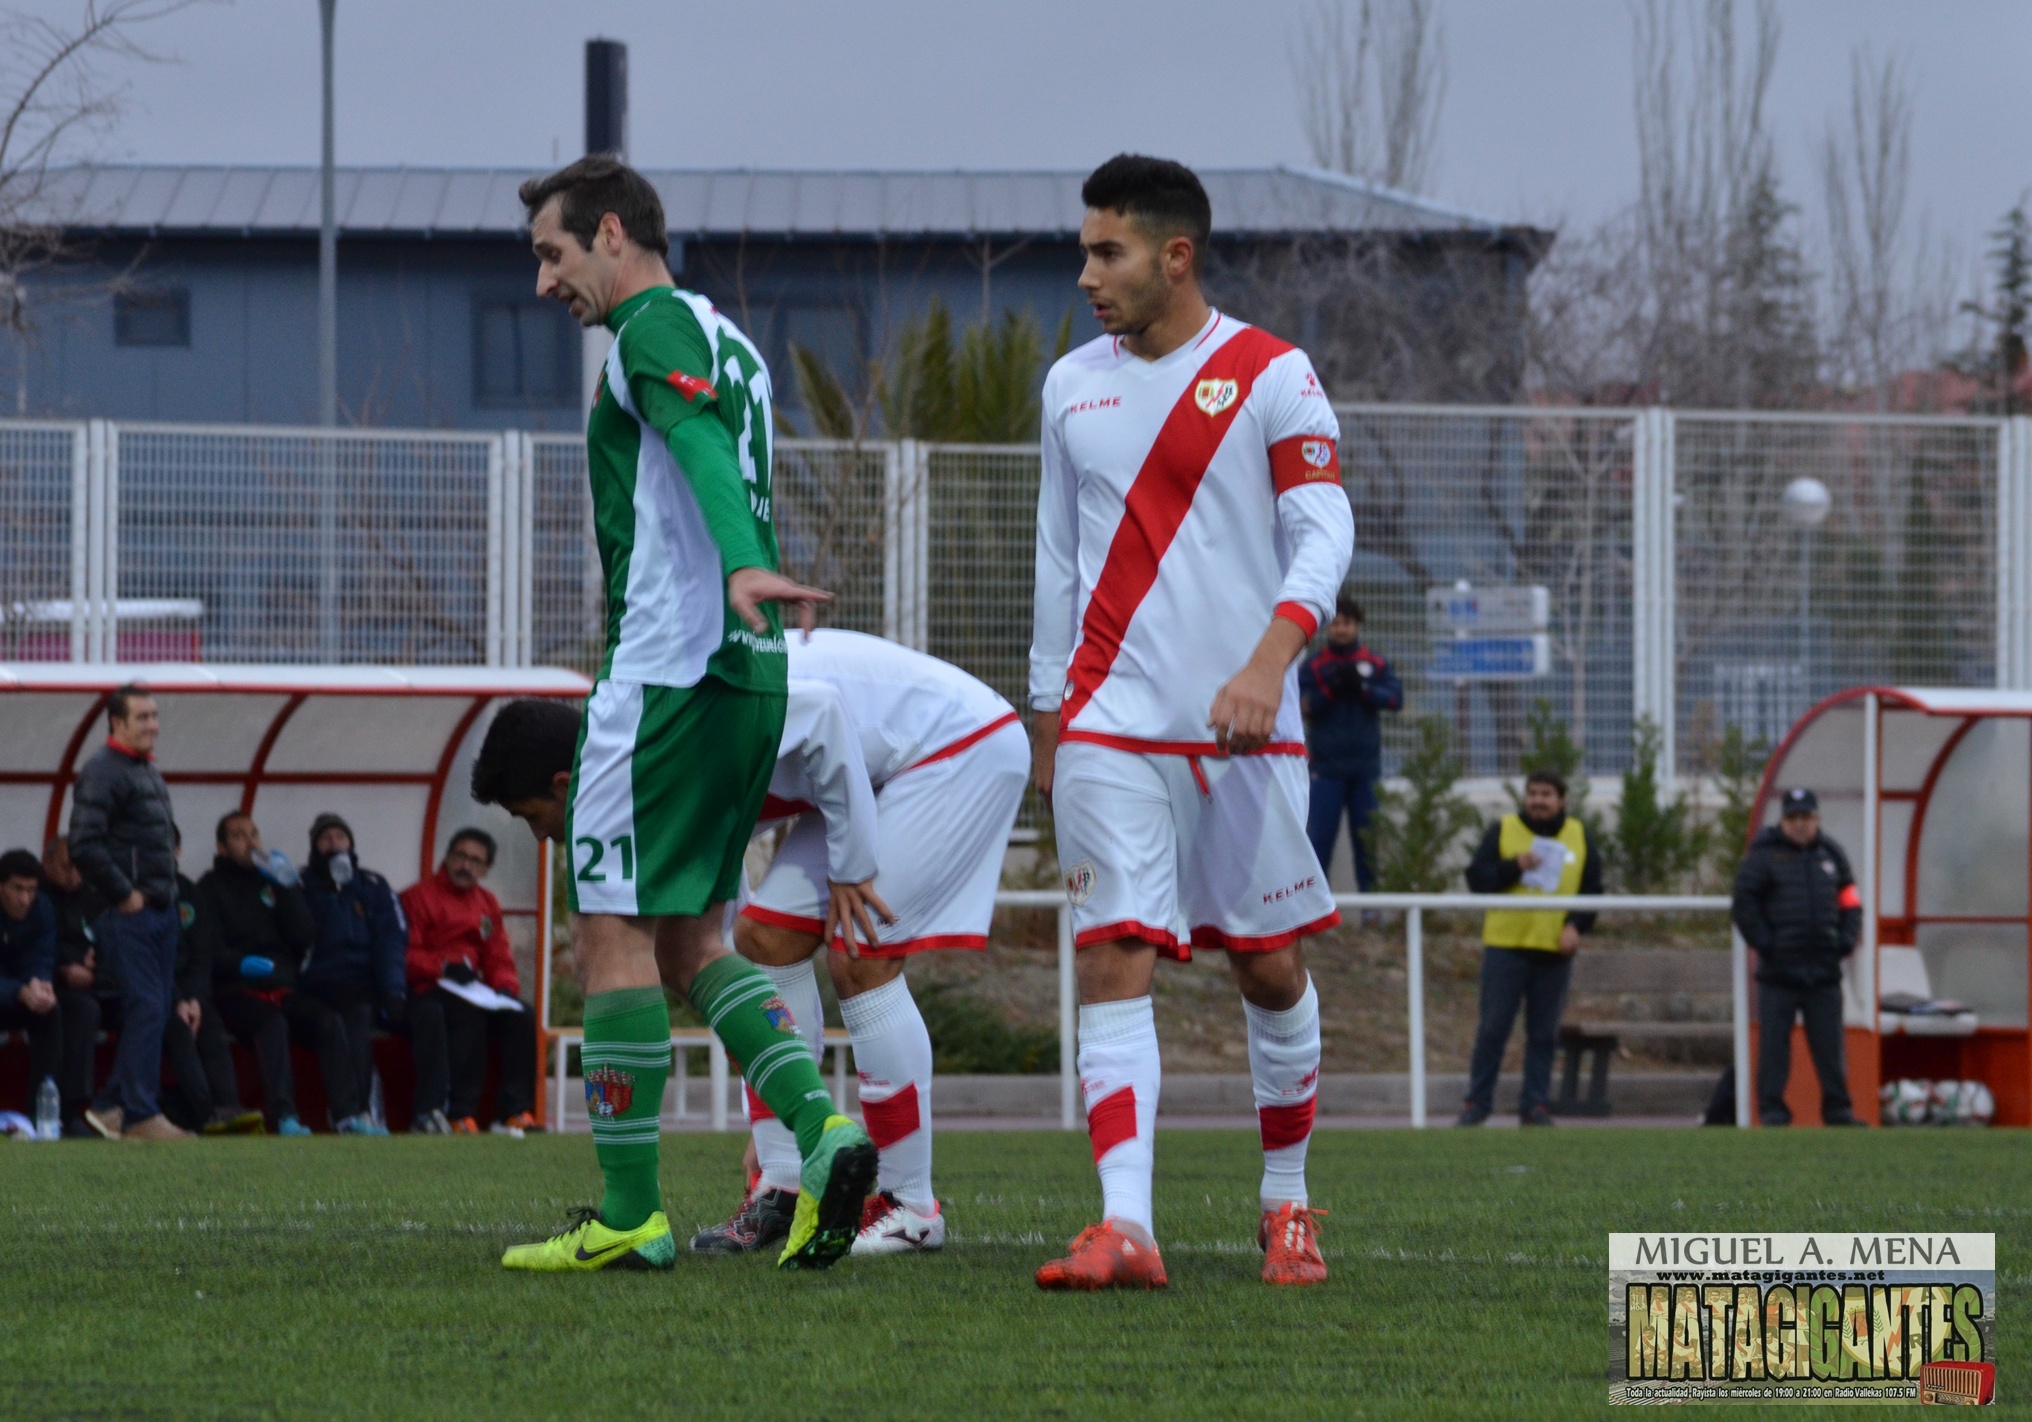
328	245
328	363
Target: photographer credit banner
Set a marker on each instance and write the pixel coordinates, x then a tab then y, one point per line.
1856	1318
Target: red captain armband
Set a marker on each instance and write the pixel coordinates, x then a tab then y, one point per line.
1299	613
691	387
1850	898
1303	459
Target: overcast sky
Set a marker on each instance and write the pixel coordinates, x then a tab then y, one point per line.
1536	123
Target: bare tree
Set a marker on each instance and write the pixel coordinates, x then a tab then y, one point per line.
1371	75
56	101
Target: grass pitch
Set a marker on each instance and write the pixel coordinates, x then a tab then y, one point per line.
358	1278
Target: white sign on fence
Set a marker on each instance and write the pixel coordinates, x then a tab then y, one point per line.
1461	611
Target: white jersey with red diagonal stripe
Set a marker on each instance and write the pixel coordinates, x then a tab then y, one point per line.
862	710
1185	502
915	772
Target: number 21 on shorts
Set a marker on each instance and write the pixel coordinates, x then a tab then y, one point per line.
594	851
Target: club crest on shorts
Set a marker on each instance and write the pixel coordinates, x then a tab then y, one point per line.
1214	396
1317	453
1079	882
609	1092
778	1013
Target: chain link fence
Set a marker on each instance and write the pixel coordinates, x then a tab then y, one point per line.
1885	574
244	544
40	465
297	546
1496	499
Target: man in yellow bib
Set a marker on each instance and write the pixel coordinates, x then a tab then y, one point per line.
1527	954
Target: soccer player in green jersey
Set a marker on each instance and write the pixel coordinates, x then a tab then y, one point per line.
681	731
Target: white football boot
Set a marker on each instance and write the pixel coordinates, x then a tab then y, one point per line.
888	1226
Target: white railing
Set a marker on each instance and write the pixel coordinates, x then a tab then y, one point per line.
1414	908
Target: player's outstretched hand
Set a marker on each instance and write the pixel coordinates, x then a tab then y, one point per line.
749	588
855	905
1245	710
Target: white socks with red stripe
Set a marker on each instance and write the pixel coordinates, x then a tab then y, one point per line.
775	1146
892	1055
1284	1065
1120	1074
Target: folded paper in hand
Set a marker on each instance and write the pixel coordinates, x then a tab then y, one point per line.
1552	857
480	995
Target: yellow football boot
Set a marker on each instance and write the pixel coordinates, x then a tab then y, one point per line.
587	1243
837	1177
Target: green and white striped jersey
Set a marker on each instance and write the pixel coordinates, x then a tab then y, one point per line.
678	448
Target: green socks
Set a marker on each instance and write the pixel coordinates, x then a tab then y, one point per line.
626	1061
741	1005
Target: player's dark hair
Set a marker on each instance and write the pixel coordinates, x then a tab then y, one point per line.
594	186
1547	777
531	740
122	701
1344	605
469	835
1163	198
219	834
20	864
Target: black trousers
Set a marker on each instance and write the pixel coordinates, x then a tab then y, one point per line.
354	1004
270	1028
1510	976
45	1032
1777	1007
83	1011
449	1037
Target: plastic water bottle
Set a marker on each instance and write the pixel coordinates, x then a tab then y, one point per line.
278	869
48	1111
341	866
376	1106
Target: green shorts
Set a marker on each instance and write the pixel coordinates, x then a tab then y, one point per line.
666	790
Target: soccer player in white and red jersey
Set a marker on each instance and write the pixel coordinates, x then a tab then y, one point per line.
1192	533
895	759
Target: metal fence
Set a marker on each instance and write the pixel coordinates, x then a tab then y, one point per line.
1676	585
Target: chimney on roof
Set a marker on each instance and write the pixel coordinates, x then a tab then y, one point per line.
607	97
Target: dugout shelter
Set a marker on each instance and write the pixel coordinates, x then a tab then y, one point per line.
1929	790
389	748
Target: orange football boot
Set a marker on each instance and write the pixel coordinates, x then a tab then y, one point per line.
1289	1238
465	1126
1105	1258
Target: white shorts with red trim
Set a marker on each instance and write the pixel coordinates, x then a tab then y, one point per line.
941	834
1187	852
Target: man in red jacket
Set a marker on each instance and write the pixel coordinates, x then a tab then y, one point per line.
463	994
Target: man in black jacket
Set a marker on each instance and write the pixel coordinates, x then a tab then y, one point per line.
357	970
1797	904
264	930
28	966
123	840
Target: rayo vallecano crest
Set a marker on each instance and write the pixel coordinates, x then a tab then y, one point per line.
1079	882
1214	396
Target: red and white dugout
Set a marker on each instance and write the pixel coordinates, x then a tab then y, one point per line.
389	748
1930	792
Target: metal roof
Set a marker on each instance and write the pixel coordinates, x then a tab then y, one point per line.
291	678
706	202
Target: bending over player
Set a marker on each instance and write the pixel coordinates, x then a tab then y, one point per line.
681	729
1191	534
895	758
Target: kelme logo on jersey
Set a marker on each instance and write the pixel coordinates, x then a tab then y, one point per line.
778	1013
1079	882
1319	453
1214	396
609	1091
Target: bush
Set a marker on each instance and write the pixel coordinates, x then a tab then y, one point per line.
1657	844
1739	769
1415	835
969	1037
